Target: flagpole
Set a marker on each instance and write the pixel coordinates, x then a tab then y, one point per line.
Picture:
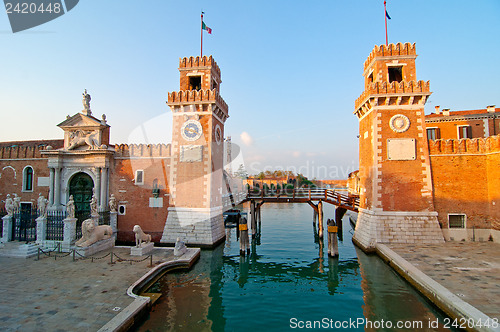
201	46
385	16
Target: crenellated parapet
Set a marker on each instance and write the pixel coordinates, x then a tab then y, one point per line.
189	97
464	146
142	150
27	149
391	50
390	94
195	62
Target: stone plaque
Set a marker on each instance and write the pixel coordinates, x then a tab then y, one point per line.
156	202
401	149
191	153
43	181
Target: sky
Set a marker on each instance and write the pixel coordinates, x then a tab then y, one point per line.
291	70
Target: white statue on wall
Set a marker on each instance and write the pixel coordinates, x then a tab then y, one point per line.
93	205
86	101
79	138
112	203
140	236
9	205
42	205
70	207
92	233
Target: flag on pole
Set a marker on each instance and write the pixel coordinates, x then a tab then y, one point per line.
204	27
387	14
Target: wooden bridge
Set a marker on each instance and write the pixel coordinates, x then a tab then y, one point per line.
306	195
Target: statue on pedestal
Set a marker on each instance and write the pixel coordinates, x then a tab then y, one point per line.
112	203
17	202
42	205
9	205
93	206
86	102
92	233
70	207
140	236
180	247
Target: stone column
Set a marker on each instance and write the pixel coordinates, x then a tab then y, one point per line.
113	222
104	188
97	190
41	229
7	228
51	187
57	188
69	232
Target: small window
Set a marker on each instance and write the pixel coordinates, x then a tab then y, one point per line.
139	176
28	178
122	210
464	132
194	82
456	220
370	78
214	85
395	74
433	134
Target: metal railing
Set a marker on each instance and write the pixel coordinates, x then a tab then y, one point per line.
55	225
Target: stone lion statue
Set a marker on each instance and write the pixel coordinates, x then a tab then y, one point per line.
140	236
91	233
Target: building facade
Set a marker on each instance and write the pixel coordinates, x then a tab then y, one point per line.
158	187
421	178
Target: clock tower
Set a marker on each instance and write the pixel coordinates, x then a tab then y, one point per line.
195	179
396	198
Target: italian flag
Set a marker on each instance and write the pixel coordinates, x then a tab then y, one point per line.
204	27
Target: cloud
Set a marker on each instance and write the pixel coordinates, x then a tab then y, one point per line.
246	138
296	154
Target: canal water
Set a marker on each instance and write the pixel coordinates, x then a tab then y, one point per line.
289	282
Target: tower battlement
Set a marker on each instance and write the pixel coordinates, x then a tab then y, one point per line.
142	150
384	88
193	96
196	62
391	50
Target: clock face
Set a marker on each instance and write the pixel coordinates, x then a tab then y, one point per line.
191	130
218	135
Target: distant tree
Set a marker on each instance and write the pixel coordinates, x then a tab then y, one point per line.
261	176
241	172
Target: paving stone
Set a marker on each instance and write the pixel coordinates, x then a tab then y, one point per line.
62	295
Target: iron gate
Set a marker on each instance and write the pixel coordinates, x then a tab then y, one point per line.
24	224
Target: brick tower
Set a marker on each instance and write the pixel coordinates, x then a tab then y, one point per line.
195	181
396	199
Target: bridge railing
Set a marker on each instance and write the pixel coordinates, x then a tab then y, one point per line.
314	194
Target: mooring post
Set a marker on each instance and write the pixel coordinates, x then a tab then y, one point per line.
333	245
244	242
320	219
315	216
339	214
253	214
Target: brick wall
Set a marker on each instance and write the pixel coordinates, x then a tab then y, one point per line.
465	175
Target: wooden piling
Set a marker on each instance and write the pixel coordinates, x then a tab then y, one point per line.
320	219
253	215
244	241
333	245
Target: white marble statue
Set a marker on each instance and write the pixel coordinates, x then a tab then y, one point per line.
112	203
9	205
17	202
70	207
93	206
86	100
180	247
42	205
140	236
92	233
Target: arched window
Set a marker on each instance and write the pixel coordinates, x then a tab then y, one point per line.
28	178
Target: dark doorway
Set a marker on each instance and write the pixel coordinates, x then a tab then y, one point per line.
80	187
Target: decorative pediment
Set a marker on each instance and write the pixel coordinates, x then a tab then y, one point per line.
85	132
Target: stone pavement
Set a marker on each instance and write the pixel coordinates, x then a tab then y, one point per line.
62	295
470	270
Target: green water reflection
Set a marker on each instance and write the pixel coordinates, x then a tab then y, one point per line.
288	280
